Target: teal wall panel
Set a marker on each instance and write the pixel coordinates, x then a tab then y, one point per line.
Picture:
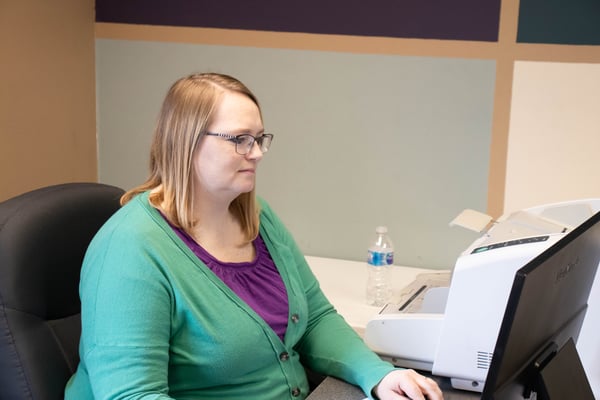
559	22
361	140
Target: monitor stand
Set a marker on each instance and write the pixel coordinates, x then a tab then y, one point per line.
561	376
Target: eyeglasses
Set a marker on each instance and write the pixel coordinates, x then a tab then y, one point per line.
245	141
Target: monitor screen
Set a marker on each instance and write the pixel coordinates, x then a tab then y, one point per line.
545	310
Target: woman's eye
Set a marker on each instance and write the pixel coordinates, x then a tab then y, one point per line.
244	139
236	140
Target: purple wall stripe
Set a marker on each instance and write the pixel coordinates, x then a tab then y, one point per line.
475	20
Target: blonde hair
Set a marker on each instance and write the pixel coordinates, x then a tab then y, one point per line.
185	115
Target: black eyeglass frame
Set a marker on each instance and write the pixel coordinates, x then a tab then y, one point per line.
236	140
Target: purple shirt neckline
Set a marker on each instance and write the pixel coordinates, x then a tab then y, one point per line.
257	282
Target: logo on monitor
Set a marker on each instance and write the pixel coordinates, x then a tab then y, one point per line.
564	271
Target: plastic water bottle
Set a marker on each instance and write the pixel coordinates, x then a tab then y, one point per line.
380	258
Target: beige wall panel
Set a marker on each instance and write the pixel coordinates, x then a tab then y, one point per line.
554	134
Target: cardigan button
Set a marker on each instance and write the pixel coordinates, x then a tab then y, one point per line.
295	318
284	356
296	392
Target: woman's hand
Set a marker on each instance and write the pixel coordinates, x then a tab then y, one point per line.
403	384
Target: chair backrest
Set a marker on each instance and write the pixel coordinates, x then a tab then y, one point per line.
43	238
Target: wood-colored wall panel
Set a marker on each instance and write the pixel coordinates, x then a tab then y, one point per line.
47	95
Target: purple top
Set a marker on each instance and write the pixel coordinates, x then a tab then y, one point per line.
258	282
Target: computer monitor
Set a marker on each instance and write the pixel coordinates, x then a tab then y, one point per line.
535	354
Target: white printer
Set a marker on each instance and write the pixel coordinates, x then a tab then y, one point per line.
448	322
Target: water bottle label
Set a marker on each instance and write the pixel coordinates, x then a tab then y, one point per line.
379	259
389	258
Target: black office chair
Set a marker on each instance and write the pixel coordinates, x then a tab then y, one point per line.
43	237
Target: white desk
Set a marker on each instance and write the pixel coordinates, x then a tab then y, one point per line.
344	283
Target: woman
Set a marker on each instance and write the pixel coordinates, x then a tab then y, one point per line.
195	290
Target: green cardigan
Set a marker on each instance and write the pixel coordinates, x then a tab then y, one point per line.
158	324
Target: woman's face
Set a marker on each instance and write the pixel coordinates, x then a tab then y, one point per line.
220	171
